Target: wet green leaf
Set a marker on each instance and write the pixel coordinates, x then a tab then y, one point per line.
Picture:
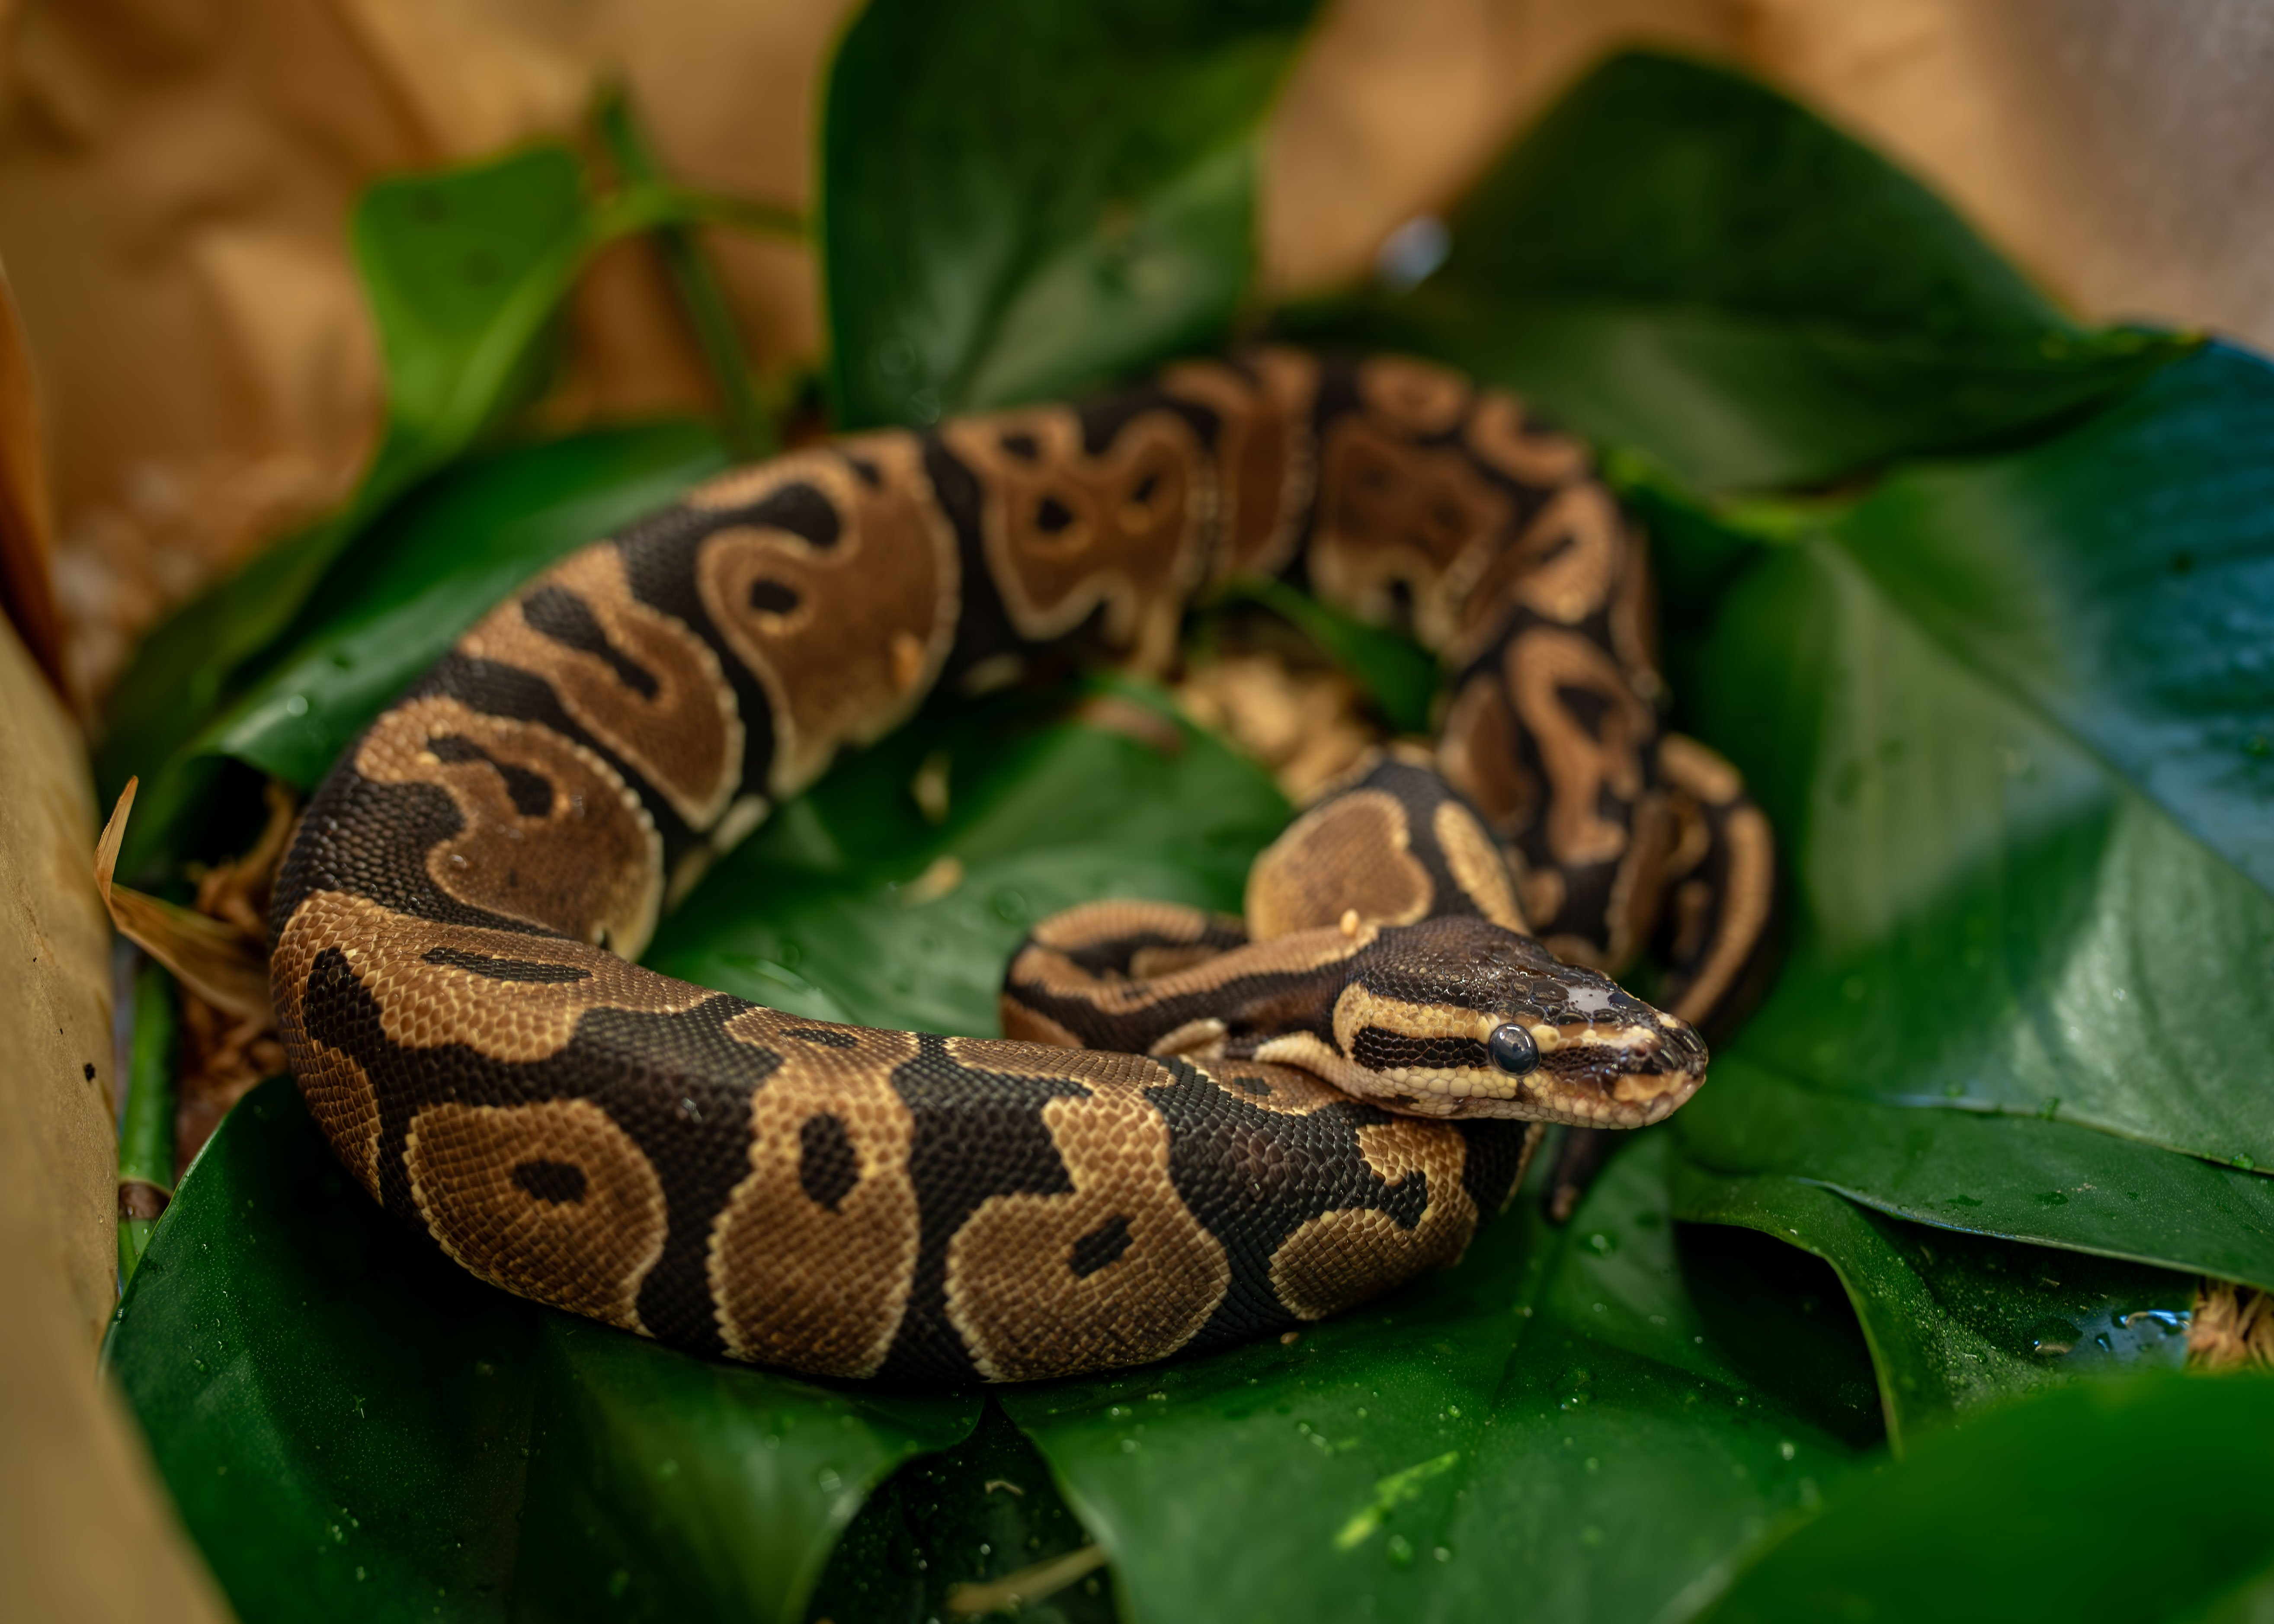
1680	260
2052	1184
1958	1321
1992	913
433	566
1023	200
463	270
983	1513
1552	1414
353	1428
2141	1498
894	920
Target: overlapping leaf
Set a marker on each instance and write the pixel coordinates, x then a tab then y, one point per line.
1679	259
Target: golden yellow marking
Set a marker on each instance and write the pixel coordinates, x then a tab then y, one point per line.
1262	464
1477	865
1392	514
1067	534
1012	1292
1348	853
1562	567
1342	1258
590	865
846	639
425	1006
1478	753
687	739
1349	924
1581	763
587	1255
1195	1039
1415	400
796	1282
1497	434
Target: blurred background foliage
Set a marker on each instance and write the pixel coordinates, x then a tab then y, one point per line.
1976	593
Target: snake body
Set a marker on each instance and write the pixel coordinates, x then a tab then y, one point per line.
1197	1128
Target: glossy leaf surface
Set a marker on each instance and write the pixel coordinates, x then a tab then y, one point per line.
1679	259
1959	1321
1551	1414
1023	200
2144	1499
353	1428
1990	914
851	906
433	566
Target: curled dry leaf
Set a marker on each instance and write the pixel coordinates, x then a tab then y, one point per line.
218	950
218	959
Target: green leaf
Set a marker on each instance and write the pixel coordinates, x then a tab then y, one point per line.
352	1427
896	921
2143	1499
1958	1321
2129	597
1552	1408
1023	200
464	270
1678	259
2052	1184
1995	909
432	568
981	1513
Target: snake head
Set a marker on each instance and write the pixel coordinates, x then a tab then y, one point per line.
1458	1017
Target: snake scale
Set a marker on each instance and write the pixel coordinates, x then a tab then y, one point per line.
1199	1129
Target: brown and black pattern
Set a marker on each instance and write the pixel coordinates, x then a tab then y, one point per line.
1197	1129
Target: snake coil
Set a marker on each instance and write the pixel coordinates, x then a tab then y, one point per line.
1199	1129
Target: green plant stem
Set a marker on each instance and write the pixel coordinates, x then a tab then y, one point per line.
747	426
145	1138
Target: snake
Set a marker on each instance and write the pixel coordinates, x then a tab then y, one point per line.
1196	1129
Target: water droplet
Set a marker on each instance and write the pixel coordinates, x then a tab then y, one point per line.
1441	1554
296	705
1601	1244
1128	1445
2243	1161
1787	1448
2051	1108
829	1481
2051	1338
1401	1551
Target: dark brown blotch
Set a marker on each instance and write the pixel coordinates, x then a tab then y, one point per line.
827	1168
557	1184
1102	1247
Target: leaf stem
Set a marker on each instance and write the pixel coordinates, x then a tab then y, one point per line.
749	427
146	1137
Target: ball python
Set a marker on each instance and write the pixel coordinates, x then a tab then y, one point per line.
1197	1129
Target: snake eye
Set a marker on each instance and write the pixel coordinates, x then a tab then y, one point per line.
1512	1050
